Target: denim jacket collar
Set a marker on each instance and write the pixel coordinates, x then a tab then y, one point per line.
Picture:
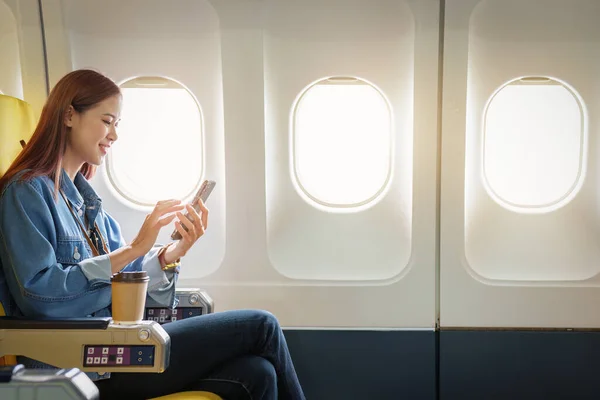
70	190
80	192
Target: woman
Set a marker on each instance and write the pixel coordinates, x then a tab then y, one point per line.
59	247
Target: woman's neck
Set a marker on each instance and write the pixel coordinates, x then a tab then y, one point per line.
71	164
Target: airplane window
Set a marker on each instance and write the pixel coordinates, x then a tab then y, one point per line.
534	144
159	153
341	142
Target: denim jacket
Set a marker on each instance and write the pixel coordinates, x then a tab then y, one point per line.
47	268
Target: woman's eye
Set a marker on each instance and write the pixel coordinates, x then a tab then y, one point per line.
106	122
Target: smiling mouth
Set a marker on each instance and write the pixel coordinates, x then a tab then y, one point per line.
104	149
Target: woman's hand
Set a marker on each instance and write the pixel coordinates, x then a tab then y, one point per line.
152	225
195	230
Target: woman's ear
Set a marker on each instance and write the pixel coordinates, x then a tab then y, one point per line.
69	116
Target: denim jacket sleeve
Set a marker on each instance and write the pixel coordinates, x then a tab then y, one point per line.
161	287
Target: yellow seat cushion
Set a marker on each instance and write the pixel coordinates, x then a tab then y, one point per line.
17	122
190	396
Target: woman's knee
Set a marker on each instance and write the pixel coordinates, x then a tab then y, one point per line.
267	319
261	319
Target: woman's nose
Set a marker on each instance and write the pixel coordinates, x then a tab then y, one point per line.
112	135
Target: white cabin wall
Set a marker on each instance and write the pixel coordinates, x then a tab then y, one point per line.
370	40
554	245
501	267
10	67
22	70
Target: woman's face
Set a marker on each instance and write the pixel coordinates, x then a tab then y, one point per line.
94	131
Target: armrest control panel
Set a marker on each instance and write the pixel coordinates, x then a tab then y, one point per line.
164	315
118	356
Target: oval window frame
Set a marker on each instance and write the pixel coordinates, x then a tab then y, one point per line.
300	188
580	178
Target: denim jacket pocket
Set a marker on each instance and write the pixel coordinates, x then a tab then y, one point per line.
71	250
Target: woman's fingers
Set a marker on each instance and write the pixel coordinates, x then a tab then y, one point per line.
199	228
166	209
162	207
184	235
166	220
204	212
188	224
171	209
166	203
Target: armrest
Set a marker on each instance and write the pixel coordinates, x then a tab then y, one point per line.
195	298
142	347
53	323
19	383
192	302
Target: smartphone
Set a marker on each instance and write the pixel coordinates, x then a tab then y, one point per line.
203	193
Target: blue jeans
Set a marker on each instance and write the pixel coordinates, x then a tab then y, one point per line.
235	354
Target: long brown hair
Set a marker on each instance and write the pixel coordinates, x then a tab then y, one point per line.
43	155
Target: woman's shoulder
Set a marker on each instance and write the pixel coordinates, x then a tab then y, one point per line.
29	196
19	184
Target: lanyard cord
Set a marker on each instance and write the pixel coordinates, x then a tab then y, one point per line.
94	248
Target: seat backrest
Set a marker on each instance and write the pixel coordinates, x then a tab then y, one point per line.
17	123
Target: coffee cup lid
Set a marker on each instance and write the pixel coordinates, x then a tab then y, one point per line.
130	277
